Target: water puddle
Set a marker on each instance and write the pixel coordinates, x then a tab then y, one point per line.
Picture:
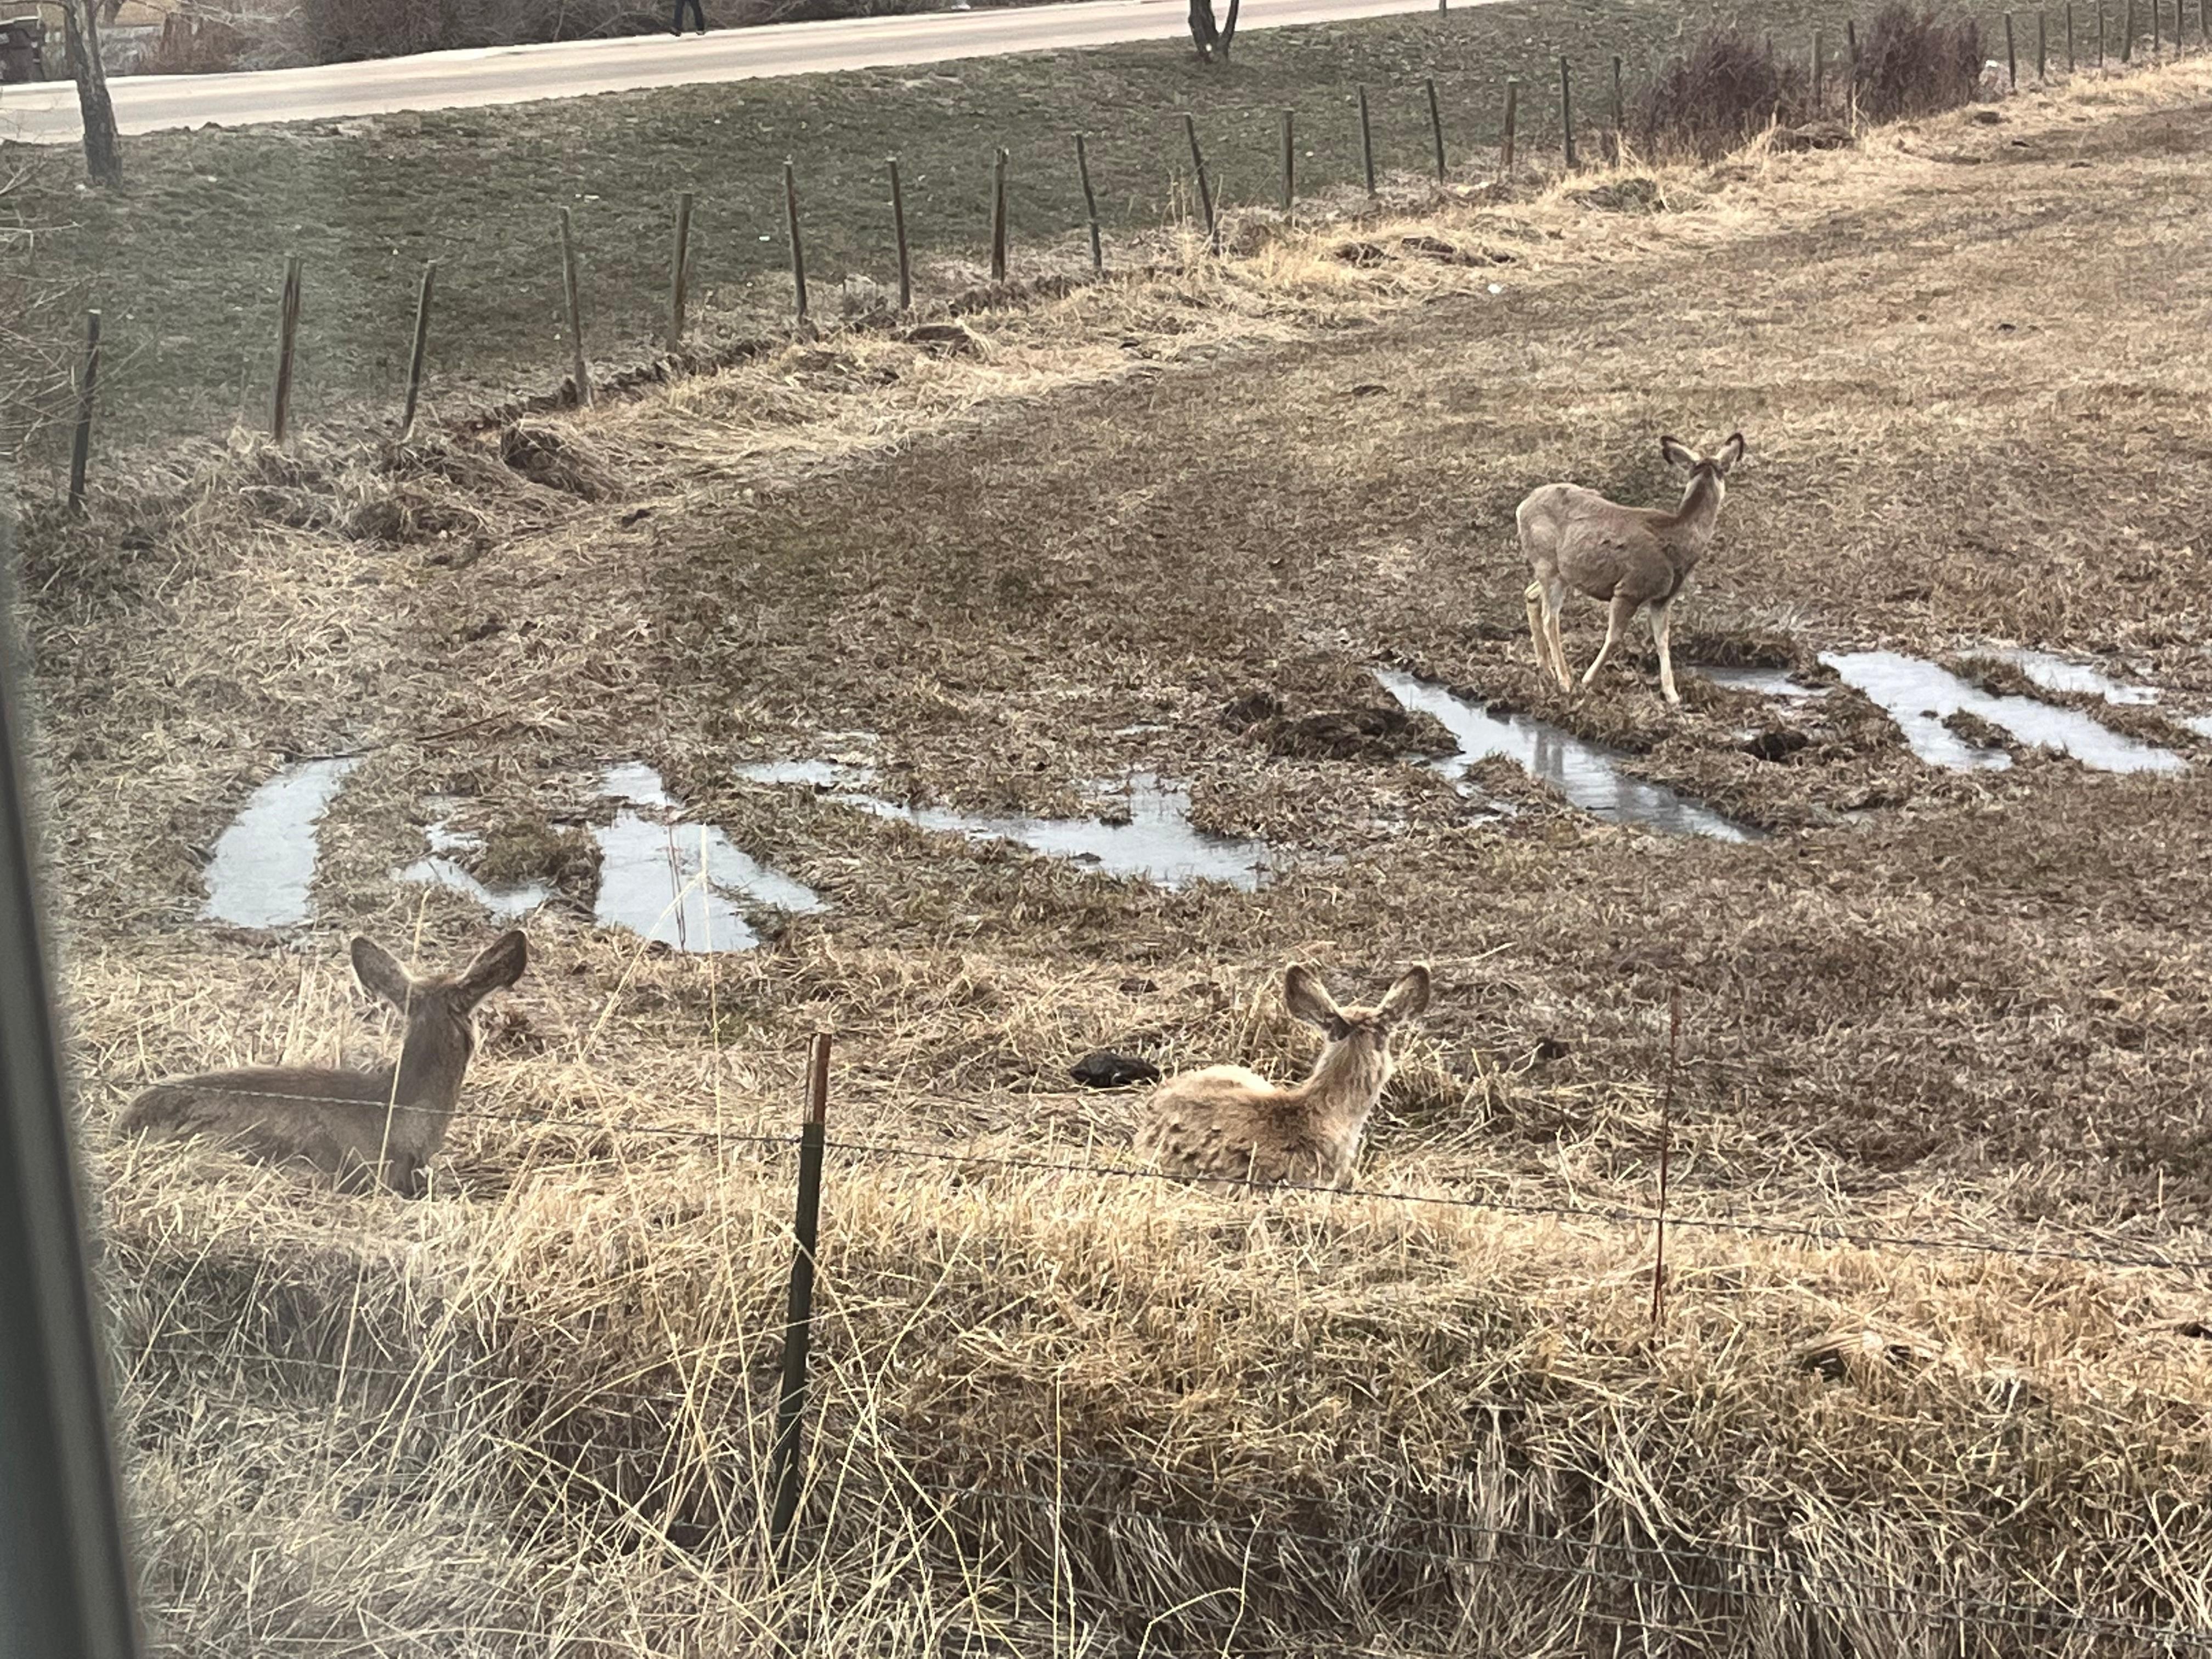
1158	843
2200	724
2064	674
441	869
1919	696
673	882
1588	777
265	862
1766	682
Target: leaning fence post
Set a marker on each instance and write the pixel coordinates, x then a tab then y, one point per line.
80	449
797	253
999	217
898	232
679	271
1205	190
799	1315
418	357
1567	113
575	311
1366	143
1090	207
1290	168
1666	1149
1436	128
1505	149
288	341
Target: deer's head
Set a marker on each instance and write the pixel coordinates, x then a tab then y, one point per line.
1365	1030
440	1008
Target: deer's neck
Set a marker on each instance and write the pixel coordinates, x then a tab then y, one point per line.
1699	508
431	1065
1346	1081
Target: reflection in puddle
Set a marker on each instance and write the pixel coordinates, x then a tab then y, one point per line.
1588	777
1767	682
1919	696
439	869
1158	843
672	882
2063	674
265	862
2200	724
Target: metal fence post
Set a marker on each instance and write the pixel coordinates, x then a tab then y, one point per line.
798	1316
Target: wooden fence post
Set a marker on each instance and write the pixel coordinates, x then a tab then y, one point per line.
1090	207
1505	149
1618	115
575	312
1666	1149
2069	37
2100	33
679	271
898	233
1205	190
2012	65
81	448
1567	113
1366	143
1819	71
418	357
999	217
798	1314
2042	44
1289	169
288	341
797	252
2128	36
1436	128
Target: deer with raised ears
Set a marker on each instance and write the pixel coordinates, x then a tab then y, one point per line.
360	1127
1232	1124
1629	556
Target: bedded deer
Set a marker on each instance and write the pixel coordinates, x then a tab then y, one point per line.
1230	1123
1629	556
360	1127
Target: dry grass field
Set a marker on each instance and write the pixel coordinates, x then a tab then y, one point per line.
1951	1024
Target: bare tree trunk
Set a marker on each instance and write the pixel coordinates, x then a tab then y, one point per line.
1203	34
103	157
1228	31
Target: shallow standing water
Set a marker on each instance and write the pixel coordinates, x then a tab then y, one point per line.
440	869
263	866
1158	843
1588	775
1919	696
1767	682
672	882
2064	674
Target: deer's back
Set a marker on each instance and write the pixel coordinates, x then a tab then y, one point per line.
333	1120
1232	1123
1600	547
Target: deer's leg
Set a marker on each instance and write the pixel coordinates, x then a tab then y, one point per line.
1535	598
1663	632
1616	624
1555	601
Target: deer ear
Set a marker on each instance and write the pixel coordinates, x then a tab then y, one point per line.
379	972
1730	452
496	967
1408	996
1309	999
1677	453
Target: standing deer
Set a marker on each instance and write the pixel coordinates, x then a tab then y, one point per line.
360	1127
1228	1122
1627	556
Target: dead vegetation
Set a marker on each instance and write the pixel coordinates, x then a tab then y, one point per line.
1062	1411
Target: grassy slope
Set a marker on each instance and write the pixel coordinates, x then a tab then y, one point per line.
1981	1010
188	259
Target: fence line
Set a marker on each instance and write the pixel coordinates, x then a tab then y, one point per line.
1829	1234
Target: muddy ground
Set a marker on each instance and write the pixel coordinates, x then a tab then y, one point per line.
1967	361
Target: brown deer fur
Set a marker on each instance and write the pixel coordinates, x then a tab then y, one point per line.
360	1127
1232	1124
1629	556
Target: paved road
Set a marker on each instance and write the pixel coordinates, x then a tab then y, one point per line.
47	114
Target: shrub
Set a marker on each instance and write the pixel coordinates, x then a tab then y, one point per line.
1915	64
1728	88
